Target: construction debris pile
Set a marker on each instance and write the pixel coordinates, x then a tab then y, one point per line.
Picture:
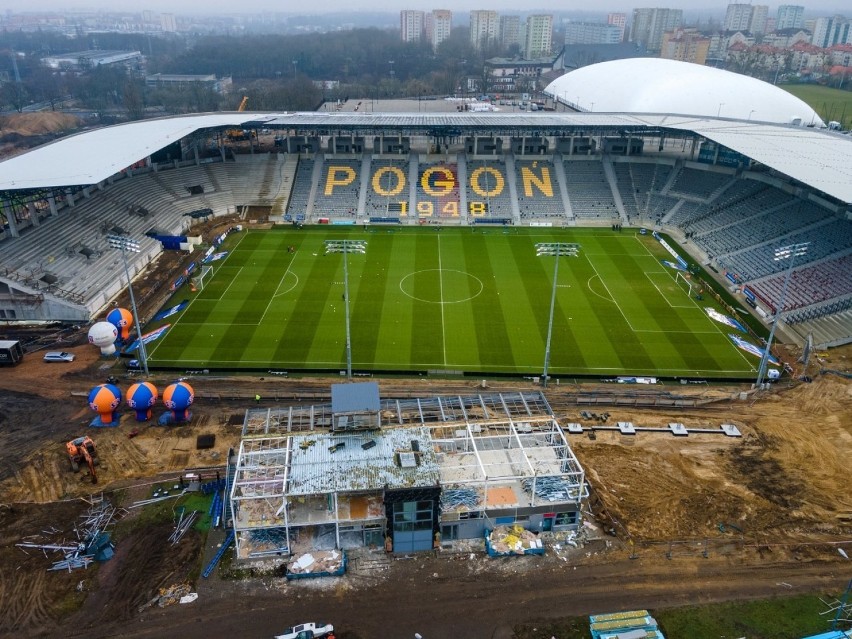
183	524
460	499
177	593
513	540
317	563
551	488
92	539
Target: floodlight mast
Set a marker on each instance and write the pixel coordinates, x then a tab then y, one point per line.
790	252
346	247
125	244
557	249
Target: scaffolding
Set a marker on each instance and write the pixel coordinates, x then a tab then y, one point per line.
263	422
492	456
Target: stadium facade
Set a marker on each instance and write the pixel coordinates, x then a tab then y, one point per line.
736	188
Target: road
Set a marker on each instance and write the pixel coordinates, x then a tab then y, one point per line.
440	597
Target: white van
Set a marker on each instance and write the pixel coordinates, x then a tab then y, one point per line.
58	356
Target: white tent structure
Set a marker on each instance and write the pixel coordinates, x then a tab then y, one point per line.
654	85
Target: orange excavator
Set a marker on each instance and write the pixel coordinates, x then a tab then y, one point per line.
83	451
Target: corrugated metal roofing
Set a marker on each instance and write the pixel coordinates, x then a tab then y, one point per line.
814	157
354	398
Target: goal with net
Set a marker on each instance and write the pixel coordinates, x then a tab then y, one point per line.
203	276
684	282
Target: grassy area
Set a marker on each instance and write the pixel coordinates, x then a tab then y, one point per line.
830	104
766	619
779	618
474	300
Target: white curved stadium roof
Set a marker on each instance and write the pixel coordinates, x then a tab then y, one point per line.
816	157
654	85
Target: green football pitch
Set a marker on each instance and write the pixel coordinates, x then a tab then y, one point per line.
471	300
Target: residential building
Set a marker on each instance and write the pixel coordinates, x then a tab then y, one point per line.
439	24
510	31
619	20
784	38
830	31
686	45
510	75
649	25
538	36
168	23
790	16
592	33
759	16
738	17
412	25
484	28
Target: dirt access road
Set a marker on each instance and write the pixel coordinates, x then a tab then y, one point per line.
481	598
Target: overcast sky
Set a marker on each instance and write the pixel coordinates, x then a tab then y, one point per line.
707	7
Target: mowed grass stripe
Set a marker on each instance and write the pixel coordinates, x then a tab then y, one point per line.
490	324
258	281
631	353
684	349
427	343
367	306
537	274
395	325
301	328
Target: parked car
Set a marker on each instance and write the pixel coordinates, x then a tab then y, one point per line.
58	356
308	630
133	365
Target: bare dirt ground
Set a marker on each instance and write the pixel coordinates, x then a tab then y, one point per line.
781	493
21	131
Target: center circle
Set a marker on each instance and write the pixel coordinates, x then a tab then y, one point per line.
445	286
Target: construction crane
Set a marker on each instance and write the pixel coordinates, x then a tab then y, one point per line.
83	450
237	135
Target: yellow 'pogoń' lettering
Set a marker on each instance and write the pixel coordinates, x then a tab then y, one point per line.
444	181
493	177
543	182
390	191
347	177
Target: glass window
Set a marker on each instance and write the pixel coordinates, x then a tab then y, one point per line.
566	519
449	532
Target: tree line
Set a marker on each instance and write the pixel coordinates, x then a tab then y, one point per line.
276	72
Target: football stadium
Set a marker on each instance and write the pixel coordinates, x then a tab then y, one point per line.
654	221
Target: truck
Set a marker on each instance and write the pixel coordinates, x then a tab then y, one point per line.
11	352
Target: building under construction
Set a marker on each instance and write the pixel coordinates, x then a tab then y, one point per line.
404	473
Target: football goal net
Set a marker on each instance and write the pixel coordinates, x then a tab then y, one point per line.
198	281
685	283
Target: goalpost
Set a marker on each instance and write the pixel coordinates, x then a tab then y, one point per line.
684	281
197	282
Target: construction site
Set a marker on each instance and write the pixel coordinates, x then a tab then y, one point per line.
658	499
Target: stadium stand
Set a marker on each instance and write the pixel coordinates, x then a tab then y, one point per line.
589	190
698	183
757	261
636	183
297	206
809	285
487	189
339	189
438	191
387	192
538	191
